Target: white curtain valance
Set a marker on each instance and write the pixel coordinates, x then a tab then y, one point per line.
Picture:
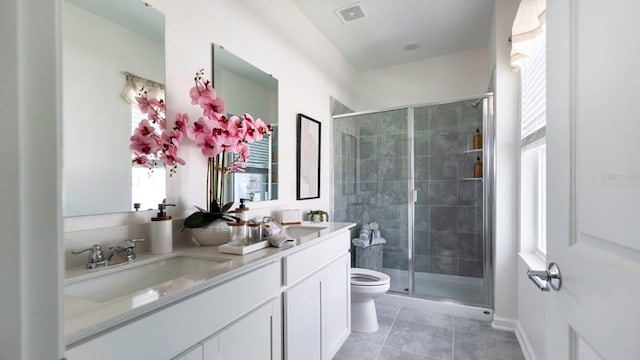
527	28
133	84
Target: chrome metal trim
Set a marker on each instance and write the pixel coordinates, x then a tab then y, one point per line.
468	98
411	191
488	199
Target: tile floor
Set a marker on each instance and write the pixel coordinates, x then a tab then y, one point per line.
410	334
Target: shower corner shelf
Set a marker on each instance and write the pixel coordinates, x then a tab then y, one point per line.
472	151
472	179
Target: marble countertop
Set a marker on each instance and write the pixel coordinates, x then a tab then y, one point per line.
85	319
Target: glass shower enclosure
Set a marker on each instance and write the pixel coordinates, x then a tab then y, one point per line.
411	170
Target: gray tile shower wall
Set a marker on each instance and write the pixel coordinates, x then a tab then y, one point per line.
371	174
450	208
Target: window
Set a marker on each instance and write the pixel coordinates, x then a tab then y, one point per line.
533	173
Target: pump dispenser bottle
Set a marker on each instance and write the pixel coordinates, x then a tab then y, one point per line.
241	211
477	140
162	231
477	168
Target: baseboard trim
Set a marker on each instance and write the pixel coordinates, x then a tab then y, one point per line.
525	345
501	323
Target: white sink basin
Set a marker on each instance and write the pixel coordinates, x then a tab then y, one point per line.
298	231
129	279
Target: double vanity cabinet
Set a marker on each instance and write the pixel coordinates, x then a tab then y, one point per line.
291	303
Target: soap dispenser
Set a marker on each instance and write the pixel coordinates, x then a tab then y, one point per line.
477	140
477	168
241	211
162	231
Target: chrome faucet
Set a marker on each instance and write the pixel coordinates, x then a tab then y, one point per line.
96	256
127	246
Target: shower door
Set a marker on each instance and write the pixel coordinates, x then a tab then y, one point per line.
449	247
371	184
411	170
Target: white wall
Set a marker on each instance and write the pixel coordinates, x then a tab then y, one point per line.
30	153
97	122
448	77
507	168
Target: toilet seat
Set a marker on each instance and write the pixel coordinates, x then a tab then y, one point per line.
366	277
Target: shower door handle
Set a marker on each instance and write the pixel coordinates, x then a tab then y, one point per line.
415	196
545	279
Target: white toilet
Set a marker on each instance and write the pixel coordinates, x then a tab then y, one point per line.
365	286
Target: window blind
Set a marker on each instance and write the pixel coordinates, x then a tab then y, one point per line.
534	96
259	154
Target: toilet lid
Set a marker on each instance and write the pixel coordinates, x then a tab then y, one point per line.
366	277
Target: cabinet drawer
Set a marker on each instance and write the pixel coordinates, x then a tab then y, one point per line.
303	263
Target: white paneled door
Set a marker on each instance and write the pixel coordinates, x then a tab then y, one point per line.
593	144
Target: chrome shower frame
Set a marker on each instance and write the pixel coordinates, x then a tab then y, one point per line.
488	201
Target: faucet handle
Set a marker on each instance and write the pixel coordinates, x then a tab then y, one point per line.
131	243
94	248
96	256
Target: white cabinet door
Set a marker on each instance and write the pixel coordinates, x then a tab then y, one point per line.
249	338
303	320
195	354
337	292
593	179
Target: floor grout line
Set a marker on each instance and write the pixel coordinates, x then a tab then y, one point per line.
389	332
453	339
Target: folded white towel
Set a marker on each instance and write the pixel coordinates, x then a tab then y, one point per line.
378	240
279	240
360	243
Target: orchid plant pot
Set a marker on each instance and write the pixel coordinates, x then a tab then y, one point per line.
216	233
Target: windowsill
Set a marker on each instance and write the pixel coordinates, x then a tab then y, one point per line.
533	260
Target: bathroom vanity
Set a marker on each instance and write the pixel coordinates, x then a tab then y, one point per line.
276	303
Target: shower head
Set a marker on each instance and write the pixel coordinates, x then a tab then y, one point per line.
476	103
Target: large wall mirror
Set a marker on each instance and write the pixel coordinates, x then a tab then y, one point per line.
101	41
247	89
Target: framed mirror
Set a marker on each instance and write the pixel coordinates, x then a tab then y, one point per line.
247	89
308	158
101	42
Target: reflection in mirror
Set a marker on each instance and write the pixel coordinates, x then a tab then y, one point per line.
247	89
102	41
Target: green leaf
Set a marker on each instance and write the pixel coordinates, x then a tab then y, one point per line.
226	207
195	220
199	208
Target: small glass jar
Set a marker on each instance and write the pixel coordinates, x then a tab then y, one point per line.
255	232
238	233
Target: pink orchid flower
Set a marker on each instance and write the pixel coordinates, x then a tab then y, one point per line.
236	128
181	122
237	166
142	160
243	151
172	137
143	104
144	128
210	147
170	156
200	128
141	144
211	106
263	128
201	89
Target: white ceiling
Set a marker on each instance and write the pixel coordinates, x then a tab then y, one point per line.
378	40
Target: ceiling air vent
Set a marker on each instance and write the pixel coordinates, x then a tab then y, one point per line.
349	13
